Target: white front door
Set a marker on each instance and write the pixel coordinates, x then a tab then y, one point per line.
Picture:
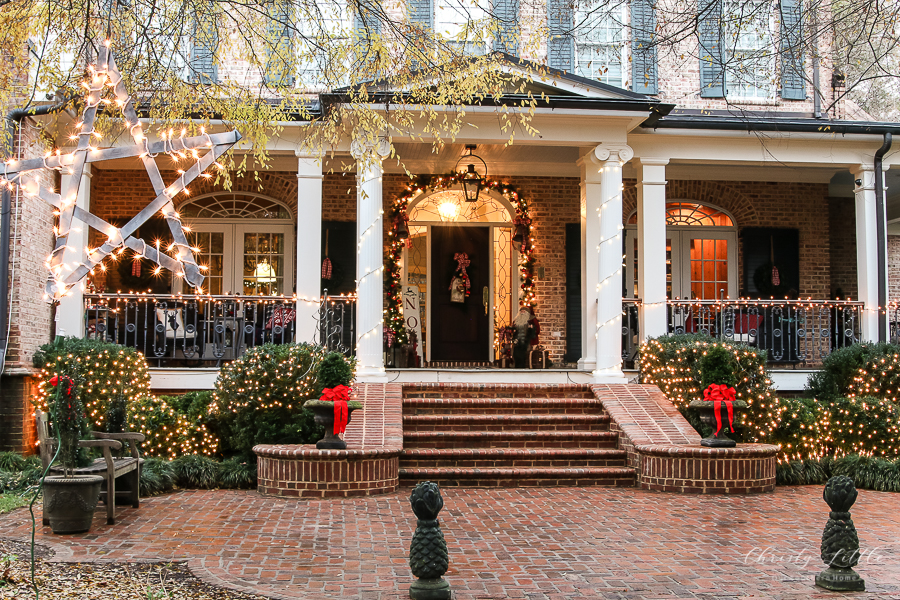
244	258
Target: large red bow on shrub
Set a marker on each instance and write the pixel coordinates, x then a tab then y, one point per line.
340	395
719	393
55	380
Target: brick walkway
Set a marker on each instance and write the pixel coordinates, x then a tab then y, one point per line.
536	544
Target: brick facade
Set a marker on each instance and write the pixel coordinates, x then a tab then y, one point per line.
842	224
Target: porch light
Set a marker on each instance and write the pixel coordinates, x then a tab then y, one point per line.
472	180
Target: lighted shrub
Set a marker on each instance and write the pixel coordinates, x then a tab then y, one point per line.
170	432
879	377
676	364
866	426
840	375
803	429
108	376
259	397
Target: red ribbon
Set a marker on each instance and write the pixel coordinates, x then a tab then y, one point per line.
463	261
54	381
719	393
339	394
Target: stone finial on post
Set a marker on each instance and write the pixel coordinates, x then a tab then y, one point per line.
840	544
428	557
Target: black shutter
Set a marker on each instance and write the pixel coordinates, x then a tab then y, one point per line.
342	256
421	14
759	244
280	51
643	51
573	292
366	23
507	14
793	83
203	68
712	69
560	45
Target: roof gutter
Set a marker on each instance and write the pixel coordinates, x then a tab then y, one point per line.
10	127
750	124
881	224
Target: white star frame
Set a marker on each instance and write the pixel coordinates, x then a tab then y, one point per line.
62	276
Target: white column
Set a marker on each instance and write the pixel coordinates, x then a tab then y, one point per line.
309	245
604	212
867	249
370	258
651	238
70	311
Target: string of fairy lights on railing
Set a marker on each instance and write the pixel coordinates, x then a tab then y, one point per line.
394	252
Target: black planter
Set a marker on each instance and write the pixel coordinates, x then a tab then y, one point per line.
324	415
706	410
69	502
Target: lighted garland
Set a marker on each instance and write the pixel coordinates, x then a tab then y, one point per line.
393	289
673	366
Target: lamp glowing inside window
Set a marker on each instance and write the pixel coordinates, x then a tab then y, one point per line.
448	210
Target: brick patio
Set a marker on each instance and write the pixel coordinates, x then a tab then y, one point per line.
533	543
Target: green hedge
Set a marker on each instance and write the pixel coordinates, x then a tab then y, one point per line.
841	368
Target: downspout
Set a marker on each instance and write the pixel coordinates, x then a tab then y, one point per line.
880	222
10	127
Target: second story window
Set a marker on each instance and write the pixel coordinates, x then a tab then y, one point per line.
600	41
459	22
748	50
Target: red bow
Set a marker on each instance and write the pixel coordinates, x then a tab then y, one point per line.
339	394
719	393
54	381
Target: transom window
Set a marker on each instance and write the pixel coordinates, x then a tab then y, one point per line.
599	41
691	213
234	206
450	206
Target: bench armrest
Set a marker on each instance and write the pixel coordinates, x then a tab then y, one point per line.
114	444
132	437
128	435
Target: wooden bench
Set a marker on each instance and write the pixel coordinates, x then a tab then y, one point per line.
108	467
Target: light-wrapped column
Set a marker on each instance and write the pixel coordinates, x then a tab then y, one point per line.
867	249
370	258
609	160
70	312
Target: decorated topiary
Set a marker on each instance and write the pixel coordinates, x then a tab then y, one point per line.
680	365
109	376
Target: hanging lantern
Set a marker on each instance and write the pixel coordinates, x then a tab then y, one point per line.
402	230
472	180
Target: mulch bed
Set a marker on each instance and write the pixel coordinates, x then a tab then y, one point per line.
89	581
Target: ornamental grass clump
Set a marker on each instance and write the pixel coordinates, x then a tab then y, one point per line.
682	366
109	376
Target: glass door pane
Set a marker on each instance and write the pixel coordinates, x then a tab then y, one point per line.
212	248
708	268
265	268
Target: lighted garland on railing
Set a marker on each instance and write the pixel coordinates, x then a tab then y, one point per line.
394	323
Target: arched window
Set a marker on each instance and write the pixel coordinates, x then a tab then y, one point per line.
692	213
239	205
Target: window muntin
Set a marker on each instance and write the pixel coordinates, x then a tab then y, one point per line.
233	206
692	214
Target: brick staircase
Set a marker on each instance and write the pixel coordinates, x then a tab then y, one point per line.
508	436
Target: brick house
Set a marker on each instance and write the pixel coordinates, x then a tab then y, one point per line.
660	189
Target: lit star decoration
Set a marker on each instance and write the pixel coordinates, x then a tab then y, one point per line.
394	254
64	275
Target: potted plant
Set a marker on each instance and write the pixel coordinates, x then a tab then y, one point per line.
70	498
718	409
333	409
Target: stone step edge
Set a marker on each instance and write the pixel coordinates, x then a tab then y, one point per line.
535	453
515	435
517	418
488	387
501	402
519	472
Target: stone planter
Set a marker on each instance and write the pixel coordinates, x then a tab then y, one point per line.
69	502
705	409
324	415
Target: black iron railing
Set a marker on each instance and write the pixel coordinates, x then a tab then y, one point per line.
792	332
175	330
631	333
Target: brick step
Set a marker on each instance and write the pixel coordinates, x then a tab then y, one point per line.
509	439
506	422
520	477
498	393
505	405
511	457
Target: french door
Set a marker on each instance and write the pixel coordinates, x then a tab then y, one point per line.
244	258
700	264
